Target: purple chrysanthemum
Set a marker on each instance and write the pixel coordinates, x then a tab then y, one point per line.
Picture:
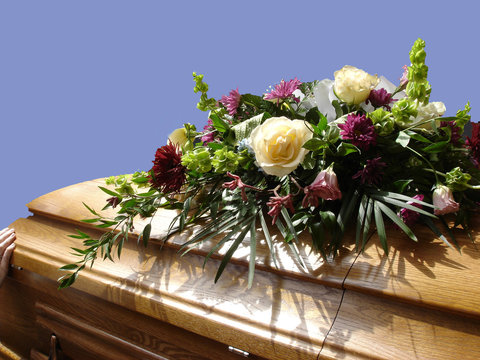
455	131
283	90
380	97
359	130
372	172
231	101
408	216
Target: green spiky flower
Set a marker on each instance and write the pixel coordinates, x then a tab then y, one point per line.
418	88
198	160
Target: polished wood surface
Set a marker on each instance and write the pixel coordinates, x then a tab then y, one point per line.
420	302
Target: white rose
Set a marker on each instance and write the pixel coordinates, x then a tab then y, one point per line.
278	145
430	111
353	85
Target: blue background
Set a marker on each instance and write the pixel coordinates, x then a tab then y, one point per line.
90	89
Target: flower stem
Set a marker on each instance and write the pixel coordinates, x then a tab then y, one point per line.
425	159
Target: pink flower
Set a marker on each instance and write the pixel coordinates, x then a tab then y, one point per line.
443	200
277	202
404	78
380	98
231	101
208	130
359	130
238	183
283	90
325	186
408	216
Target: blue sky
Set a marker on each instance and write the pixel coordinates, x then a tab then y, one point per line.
90	89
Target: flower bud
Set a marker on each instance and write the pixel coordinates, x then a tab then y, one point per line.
444	201
325	186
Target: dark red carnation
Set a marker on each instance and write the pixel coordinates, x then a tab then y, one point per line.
473	144
359	130
168	173
380	98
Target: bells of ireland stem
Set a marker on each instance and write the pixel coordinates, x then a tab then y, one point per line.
457	180
418	87
225	160
197	160
383	122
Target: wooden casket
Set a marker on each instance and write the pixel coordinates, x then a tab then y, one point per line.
419	302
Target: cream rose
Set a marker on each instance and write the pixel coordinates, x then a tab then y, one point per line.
278	144
353	85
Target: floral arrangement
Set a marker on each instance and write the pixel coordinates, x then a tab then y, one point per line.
306	156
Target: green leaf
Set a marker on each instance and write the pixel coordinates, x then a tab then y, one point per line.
397	220
289	222
91	210
338	109
437	231
322	124
382	235
69	267
253	253
110	192
315	144
368	220
346	148
268	238
90	221
387	194
436	147
219	244
105	224
146	234
403	138
231	250
403	205
291	244
401	185
215	146
360	219
81	235
218	123
309	161
417	136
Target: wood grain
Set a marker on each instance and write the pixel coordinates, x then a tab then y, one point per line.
375	328
429	273
283	317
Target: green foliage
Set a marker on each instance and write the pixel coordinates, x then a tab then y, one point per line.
205	103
